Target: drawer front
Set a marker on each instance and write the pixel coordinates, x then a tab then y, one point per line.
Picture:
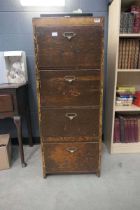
63	47
6	103
70	122
70	88
71	157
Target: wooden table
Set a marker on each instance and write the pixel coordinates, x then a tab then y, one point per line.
14	104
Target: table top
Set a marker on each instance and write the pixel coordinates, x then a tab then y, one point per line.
11	85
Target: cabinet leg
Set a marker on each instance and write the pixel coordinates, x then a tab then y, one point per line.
98	173
29	127
17	121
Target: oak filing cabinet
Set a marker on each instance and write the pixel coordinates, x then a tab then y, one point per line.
69	68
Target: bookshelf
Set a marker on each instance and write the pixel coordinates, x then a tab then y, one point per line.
119	76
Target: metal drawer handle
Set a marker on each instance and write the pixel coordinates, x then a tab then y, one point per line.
69	78
69	35
71	116
71	150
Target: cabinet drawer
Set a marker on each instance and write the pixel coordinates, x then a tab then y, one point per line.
70	88
69	47
70	122
71	157
6	104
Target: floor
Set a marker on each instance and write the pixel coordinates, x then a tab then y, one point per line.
118	188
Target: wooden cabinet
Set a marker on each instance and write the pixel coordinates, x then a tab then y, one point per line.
69	67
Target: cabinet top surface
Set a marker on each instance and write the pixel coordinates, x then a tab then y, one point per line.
43	21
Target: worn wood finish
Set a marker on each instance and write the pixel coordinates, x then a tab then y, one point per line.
6	103
82	50
70	122
71	157
67	88
65	21
60	139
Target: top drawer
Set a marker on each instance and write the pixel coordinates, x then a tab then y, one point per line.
69	47
6	104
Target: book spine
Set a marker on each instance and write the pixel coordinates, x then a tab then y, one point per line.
117	131
136	58
123	53
125	22
126	130
120	54
133	130
130	22
129	127
139	129
122	130
136	130
136	27
114	138
139	57
130	52
121	23
126	54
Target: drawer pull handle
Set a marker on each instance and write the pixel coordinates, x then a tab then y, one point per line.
69	78
69	35
71	116
71	150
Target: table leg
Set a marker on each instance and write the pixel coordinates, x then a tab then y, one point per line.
17	121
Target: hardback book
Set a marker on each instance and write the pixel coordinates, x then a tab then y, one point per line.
123	53
139	129
122	129
126	54
135	121
136	58
120	54
130	53
130	22
117	131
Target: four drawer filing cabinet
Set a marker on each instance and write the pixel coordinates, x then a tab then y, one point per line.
69	68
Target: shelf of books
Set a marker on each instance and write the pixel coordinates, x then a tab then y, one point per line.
122	131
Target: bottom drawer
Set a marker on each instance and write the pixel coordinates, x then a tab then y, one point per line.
71	157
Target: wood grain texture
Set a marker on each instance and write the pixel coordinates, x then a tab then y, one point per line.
71	157
60	139
70	122
81	51
70	88
72	21
70	91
